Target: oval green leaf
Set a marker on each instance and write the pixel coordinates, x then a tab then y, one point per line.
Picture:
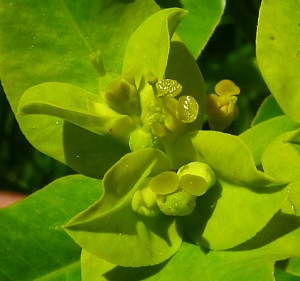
34	246
111	230
228	214
259	136
227	155
278	52
148	47
77	106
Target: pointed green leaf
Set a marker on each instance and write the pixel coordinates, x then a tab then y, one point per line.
110	229
281	159
79	147
202	19
278	50
33	245
244	198
268	109
227	155
148	47
259	136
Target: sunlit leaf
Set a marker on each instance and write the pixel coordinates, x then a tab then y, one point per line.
183	68
201	21
201	265
149	45
281	159
77	106
227	155
110	229
268	109
227	209
259	136
278	52
244	198
279	240
40	50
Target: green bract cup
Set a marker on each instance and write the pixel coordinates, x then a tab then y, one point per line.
174	194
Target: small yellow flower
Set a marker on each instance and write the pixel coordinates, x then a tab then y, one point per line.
221	106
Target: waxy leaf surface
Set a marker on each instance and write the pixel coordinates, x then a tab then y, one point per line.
259	256
148	47
40	50
77	106
259	136
267	110
202	19
243	199
278	52
110	229
33	244
281	159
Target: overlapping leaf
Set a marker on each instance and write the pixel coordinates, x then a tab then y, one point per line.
40	50
110	229
268	109
259	136
243	200
252	263
284	165
202	19
148	47
77	106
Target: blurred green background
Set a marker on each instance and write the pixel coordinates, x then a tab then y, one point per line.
230	54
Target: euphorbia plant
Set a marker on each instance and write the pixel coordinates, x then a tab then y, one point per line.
163	189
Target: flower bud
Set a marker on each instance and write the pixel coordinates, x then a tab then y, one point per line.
97	61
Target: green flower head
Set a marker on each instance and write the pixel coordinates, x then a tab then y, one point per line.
149	104
174	194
